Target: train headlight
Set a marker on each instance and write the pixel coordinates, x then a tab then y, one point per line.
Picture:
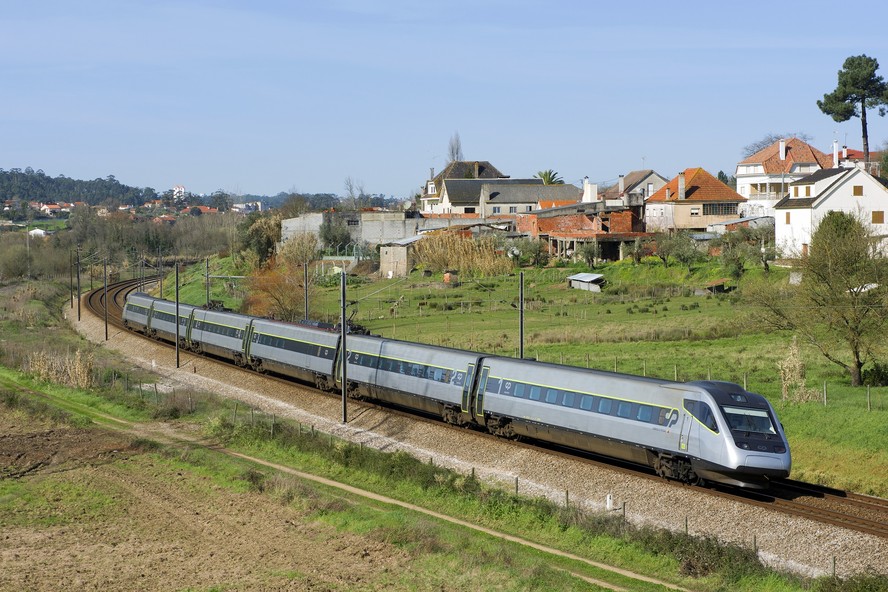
743	445
780	448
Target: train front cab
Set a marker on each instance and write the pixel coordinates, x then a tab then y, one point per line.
733	436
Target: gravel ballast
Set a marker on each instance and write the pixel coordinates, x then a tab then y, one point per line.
785	542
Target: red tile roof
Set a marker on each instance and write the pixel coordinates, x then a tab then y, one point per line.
562	224
699	186
797	151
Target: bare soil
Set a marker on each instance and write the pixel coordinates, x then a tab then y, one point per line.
159	527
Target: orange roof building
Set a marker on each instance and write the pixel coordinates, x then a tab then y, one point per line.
691	201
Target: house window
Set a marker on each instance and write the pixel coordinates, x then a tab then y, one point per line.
879	217
787	217
795	191
431	189
529	209
469	211
807	191
513	209
354	222
496	209
858	191
695	211
720	209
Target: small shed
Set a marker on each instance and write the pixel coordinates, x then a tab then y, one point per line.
396	258
591	282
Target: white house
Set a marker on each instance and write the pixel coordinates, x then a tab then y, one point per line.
850	190
764	178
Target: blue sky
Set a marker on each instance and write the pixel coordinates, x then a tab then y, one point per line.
272	95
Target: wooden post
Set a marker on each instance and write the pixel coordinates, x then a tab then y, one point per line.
824	393
869	406
516	485
272	426
675	371
234	418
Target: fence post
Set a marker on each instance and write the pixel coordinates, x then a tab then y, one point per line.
869	406
234	418
675	371
824	393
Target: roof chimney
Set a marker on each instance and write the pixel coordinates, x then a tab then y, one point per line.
590	191
431	173
622	186
476	169
681	185
667	194
782	149
844	152
835	154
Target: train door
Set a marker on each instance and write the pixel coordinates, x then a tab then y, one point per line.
479	398
467	387
687	425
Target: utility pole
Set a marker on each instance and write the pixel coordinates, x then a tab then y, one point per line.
78	283
177	315
105	273
521	316
208	282
305	286
71	275
344	350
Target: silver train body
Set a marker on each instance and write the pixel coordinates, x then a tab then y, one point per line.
692	432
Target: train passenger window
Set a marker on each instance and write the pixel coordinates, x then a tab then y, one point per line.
518	390
551	395
535	393
604	406
586	402
569	398
645	412
624	409
493	385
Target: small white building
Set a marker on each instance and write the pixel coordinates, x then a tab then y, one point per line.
591	282
849	190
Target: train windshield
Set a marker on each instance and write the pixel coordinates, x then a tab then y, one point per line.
744	419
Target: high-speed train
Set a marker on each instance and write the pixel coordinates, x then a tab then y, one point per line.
692	432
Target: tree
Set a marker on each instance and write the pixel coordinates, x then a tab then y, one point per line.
859	88
294	205
354	193
195	211
549	177
842	297
454	148
769	139
590	252
729	181
333	232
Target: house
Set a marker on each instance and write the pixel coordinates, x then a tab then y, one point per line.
642	183
431	195
50	209
850	157
503	199
464	196
850	190
691	201
764	178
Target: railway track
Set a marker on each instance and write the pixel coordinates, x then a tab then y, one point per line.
810	501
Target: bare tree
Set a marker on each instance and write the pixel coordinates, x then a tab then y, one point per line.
769	139
454	148
354	193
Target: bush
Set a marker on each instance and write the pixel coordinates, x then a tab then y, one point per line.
876	376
